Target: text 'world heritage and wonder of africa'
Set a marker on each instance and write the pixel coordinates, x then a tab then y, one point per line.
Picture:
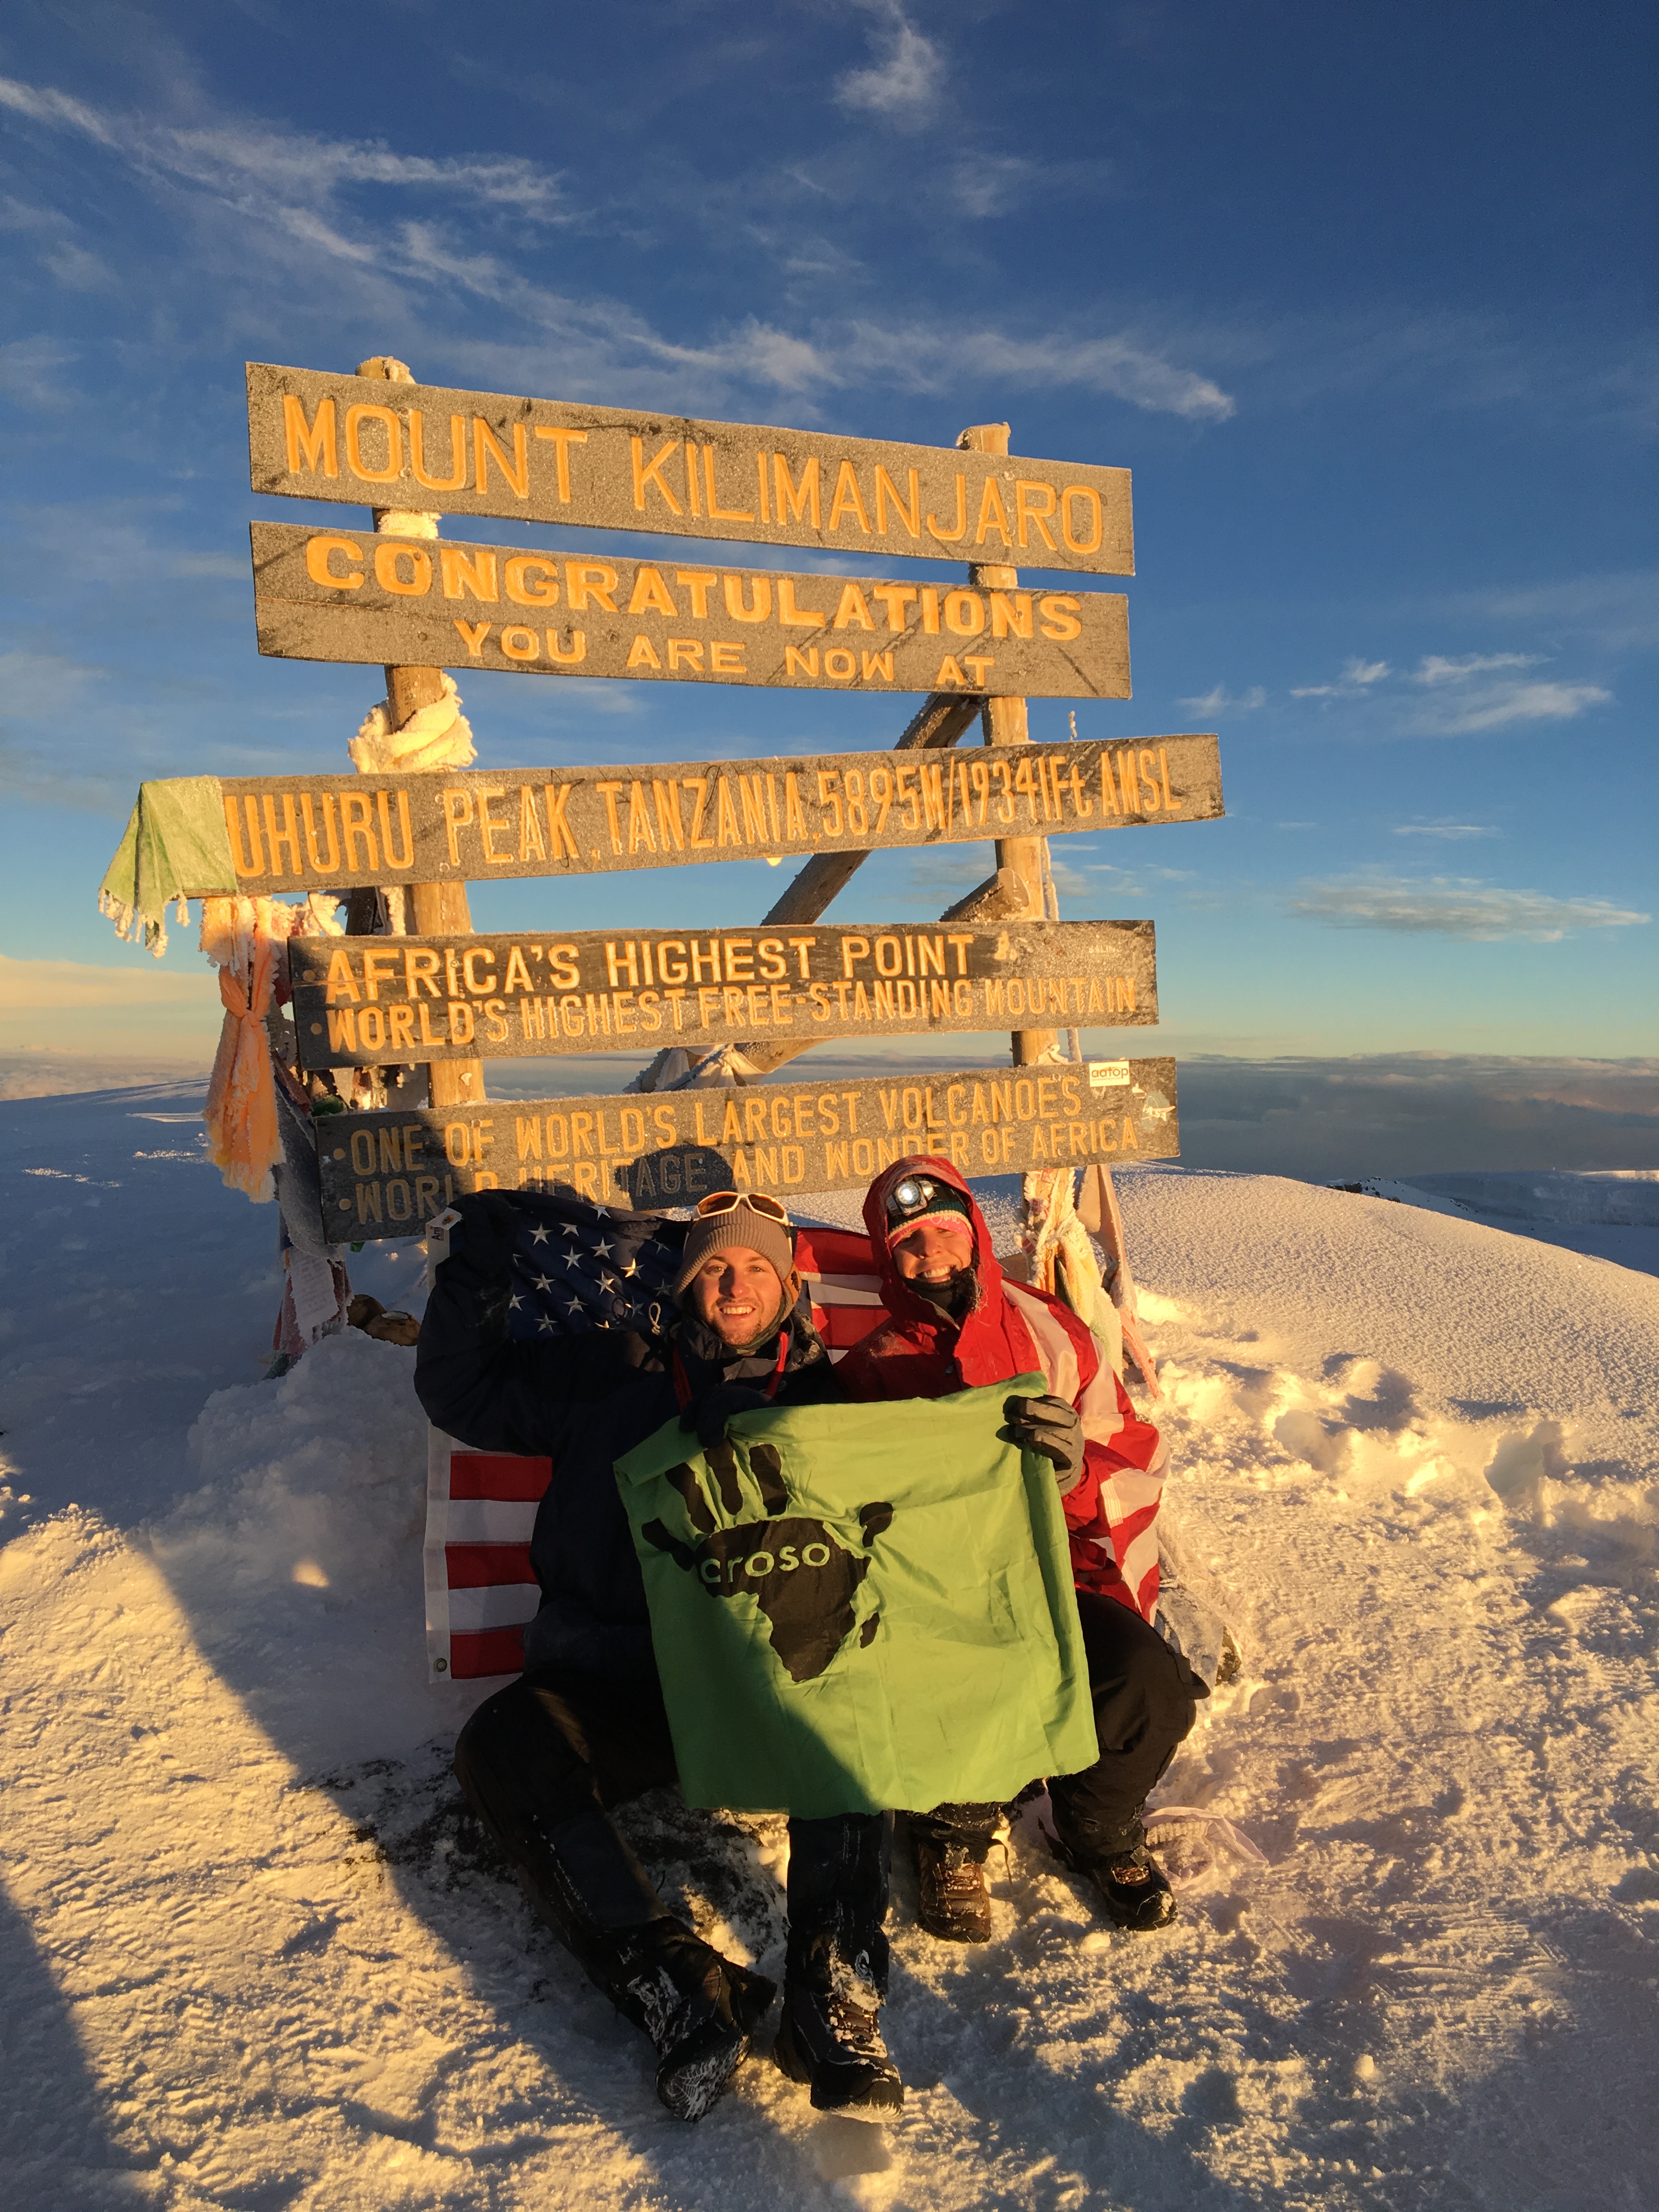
387	1174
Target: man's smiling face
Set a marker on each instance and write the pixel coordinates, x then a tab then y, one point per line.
736	1293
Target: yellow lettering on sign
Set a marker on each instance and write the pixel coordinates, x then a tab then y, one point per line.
953	537
854	608
759	607
721	513
311	443
389	552
468	575
457	452
319	562
355	418
590	583
342	983
909	513
1086	540
561	441
650	594
650	473
532	581
644	654
1059	612
992	514
487	447
848	495
1034	502
795	617
792	501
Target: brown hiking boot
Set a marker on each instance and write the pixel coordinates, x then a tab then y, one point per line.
952	1902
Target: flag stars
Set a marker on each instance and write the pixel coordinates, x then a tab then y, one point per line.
546	1325
543	1282
602	1249
539	1235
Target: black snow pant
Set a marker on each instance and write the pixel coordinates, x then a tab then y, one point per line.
1145	1699
543	1760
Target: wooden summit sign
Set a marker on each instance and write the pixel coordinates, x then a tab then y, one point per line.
303	832
352	595
387	1175
314	435
367	999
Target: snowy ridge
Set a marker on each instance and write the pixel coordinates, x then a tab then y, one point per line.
256	1955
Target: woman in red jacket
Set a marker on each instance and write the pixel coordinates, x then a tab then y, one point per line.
956	1323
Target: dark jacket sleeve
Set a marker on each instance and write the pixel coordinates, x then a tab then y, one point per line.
476	1383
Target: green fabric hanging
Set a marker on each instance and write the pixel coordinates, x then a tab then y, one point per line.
858	1607
176	844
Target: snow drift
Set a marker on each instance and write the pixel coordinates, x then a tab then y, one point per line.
256	1956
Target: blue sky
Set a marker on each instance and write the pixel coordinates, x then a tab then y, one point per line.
1357	293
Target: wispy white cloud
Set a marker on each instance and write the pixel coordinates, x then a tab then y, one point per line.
1222	701
1619	609
293	188
238	158
1455	906
1437	668
1500	706
1357	676
1467	693
908	73
1451	832
32	373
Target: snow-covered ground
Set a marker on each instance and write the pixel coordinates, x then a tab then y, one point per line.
254	1956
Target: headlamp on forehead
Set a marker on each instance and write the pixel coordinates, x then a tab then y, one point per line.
918	1195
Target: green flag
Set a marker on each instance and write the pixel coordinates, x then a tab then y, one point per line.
858	1607
176	842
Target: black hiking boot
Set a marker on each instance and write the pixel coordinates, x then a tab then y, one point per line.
698	2009
1133	1886
952	1902
831	2040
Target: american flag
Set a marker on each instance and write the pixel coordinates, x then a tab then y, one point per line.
577	1266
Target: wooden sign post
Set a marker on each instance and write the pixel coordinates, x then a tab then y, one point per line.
435	908
1005	724
442	996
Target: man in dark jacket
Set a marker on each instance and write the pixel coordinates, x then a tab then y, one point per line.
954	1322
584	1727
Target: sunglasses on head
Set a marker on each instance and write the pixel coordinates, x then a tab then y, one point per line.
728	1202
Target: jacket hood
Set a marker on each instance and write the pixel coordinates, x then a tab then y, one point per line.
900	1300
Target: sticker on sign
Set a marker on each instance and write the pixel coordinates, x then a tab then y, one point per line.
1108	1074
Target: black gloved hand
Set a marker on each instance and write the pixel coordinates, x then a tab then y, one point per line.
710	1416
1052	1427
487	1234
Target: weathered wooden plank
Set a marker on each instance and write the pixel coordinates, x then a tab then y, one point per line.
315	435
387	1175
363	1002
306	832
347	595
